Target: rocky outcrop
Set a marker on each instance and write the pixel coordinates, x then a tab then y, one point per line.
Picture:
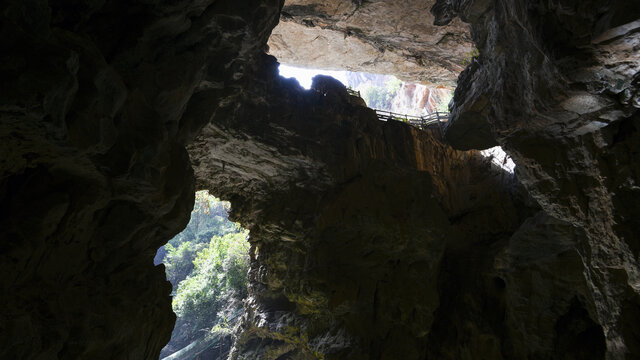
555	85
382	37
353	210
94	175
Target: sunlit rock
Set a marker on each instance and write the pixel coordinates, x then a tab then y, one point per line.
381	37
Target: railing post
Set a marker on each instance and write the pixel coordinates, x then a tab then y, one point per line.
439	125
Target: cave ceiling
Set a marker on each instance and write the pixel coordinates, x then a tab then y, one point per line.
381	37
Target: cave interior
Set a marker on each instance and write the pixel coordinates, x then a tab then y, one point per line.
368	239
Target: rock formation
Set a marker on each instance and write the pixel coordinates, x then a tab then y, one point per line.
380	36
94	175
370	240
417	99
556	85
352	210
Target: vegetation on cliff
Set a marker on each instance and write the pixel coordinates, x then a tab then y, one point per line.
207	266
381	97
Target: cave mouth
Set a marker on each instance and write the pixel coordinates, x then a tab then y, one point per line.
380	91
388	93
207	265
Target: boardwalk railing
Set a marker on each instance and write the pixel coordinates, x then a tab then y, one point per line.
420	122
353	92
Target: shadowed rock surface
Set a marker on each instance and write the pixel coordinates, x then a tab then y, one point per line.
354	210
556	85
370	240
94	175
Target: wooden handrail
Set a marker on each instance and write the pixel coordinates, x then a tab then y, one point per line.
353	92
418	121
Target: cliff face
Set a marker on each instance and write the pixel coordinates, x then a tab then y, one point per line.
382	37
369	239
419	99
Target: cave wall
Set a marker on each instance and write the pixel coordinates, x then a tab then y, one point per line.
94	175
556	85
375	240
351	225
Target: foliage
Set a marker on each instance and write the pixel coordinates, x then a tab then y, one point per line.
179	261
207	265
381	97
468	58
443	104
219	274
209	218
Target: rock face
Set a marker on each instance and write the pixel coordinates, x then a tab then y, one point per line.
382	37
556	85
370	240
352	211
419	99
94	175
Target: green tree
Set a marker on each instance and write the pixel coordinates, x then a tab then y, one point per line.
207	265
179	261
209	218
443	104
218	281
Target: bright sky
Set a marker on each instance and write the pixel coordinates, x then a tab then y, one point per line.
304	75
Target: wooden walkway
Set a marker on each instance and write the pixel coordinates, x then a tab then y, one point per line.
421	122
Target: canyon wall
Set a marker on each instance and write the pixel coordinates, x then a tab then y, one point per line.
417	99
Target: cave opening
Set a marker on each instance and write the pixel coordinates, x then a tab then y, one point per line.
358	45
207	265
387	93
380	91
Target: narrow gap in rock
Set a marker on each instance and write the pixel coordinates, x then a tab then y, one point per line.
207	266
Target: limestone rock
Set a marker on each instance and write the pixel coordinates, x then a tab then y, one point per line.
555	82
351	211
419	99
94	175
383	37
